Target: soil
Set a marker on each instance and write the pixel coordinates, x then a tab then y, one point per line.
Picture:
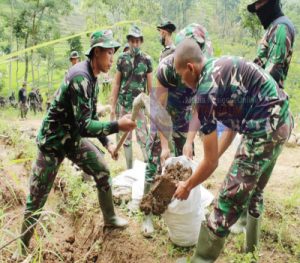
164	187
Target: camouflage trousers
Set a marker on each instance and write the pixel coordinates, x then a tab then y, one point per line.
33	106
154	150
248	176
141	129
23	110
86	155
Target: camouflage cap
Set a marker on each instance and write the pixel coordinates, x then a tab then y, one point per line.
194	31
74	54
103	38
252	6
136	32
168	26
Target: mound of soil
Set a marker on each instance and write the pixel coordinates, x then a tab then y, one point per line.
164	187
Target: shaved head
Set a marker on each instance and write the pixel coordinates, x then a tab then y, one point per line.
188	51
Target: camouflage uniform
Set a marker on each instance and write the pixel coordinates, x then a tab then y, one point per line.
167	51
276	48
179	102
134	67
33	101
71	117
169	27
246	99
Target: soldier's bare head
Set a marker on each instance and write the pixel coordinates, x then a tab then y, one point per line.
189	62
102	59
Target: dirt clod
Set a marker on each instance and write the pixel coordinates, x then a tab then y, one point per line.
160	195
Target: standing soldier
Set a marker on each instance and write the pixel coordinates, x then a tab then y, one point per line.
276	48
165	30
247	100
40	100
22	100
71	118
177	99
33	100
134	75
74	58
274	54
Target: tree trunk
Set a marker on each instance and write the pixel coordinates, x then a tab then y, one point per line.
26	58
32	69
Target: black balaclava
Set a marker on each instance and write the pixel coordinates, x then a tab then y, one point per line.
268	12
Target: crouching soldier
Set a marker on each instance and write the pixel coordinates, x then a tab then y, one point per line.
246	99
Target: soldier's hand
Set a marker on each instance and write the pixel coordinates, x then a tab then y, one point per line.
182	192
112	115
126	124
165	154
111	149
188	150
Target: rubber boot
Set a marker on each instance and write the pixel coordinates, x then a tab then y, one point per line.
252	233
128	156
147	224
240	225
209	246
107	206
22	251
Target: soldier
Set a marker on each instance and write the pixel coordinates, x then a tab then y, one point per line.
22	100
12	100
165	30
40	100
33	101
170	92
247	100
71	118
126	47
276	48
74	58
274	53
134	75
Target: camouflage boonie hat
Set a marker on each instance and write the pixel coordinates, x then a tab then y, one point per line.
194	31
74	54
136	32
103	38
168	26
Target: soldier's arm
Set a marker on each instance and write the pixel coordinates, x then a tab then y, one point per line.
81	99
226	139
115	90
149	75
162	97
279	51
149	82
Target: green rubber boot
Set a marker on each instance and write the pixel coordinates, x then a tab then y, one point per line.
252	233
147	224
209	246
128	155
22	251
240	225
107	206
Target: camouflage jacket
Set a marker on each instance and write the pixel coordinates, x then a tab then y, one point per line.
134	70
179	96
72	113
241	95
167	51
276	48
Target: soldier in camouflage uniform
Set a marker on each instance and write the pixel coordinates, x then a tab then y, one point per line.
274	53
33	101
71	118
165	30
276	48
134	75
74	57
22	100
177	99
246	99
